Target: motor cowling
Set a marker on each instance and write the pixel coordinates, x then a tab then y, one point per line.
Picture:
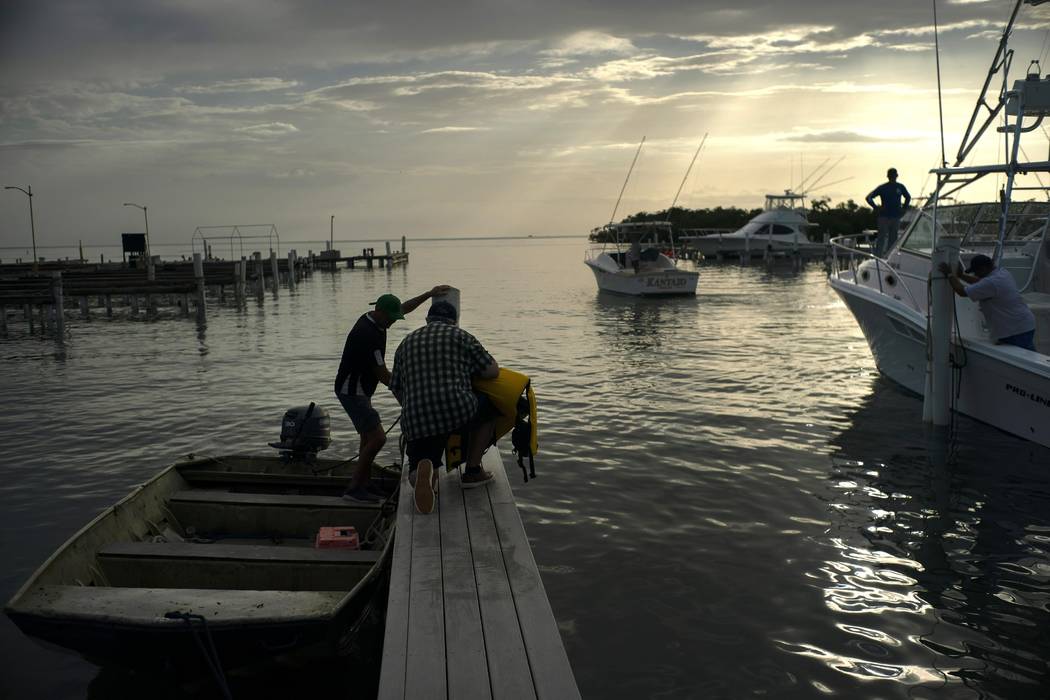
305	430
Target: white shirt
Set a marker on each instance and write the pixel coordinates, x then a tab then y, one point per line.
1003	308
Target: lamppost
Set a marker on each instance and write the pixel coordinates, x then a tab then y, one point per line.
146	216
28	191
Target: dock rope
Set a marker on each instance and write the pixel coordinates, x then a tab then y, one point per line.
957	368
210	654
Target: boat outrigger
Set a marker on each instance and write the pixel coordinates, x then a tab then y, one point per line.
893	297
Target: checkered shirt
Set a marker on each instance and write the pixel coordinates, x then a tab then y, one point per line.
433	367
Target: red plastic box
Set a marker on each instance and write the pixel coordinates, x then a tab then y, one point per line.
337	537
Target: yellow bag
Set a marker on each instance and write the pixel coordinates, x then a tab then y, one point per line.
504	392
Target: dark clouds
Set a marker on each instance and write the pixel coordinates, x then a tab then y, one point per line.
233	106
130	39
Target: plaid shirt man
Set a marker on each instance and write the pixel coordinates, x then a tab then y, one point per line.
431	378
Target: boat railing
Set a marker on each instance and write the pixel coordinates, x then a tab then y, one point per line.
854	257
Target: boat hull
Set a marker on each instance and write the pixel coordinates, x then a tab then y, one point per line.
998	385
713	246
659	283
172	649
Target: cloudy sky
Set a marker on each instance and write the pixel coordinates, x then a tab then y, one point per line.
465	118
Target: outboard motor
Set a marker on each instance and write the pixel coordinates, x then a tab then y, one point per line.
305	431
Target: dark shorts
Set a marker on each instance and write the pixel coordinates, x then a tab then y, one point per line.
1021	340
432	447
361	413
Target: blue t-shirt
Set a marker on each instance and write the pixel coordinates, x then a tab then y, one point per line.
890	193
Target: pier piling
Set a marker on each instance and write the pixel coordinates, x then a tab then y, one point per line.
198	275
259	281
937	397
274	272
56	290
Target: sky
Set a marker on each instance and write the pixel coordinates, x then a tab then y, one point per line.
467	118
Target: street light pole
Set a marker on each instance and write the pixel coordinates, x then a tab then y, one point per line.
28	191
146	216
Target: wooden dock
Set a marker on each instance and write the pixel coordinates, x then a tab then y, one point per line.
45	292
467	616
331	259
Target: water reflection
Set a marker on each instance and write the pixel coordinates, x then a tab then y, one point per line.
635	326
202	337
939	563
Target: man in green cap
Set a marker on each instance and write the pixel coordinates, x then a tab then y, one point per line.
361	370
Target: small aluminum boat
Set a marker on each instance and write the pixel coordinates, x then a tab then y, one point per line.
214	553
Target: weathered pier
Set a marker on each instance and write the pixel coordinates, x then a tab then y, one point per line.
330	259
467	617
45	294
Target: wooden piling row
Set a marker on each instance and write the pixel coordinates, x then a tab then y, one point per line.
157	283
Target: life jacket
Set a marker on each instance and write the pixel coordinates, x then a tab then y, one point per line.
512	396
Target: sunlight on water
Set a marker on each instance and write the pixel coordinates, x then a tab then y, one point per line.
730	502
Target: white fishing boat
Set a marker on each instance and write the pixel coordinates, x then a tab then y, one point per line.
781	228
895	298
635	267
644	262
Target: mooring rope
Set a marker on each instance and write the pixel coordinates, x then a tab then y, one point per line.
210	654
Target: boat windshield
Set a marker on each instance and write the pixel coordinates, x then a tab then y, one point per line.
788	200
919	238
978	225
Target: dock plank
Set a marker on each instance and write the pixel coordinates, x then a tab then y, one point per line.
468	675
551	671
508	663
425	654
467	616
395	641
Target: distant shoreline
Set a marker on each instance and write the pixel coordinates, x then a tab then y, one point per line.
320	242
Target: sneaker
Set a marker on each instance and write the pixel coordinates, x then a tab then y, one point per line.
424	491
361	495
472	479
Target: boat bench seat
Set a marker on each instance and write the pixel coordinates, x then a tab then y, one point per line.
267	499
233	566
147	606
217	513
240	552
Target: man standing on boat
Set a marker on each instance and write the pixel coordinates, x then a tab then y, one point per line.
361	370
433	370
1010	321
888	216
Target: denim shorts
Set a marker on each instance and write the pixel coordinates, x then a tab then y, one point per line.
362	415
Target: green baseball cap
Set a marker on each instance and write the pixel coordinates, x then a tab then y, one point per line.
390	305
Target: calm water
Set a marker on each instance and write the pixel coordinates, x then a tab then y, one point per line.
731	502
